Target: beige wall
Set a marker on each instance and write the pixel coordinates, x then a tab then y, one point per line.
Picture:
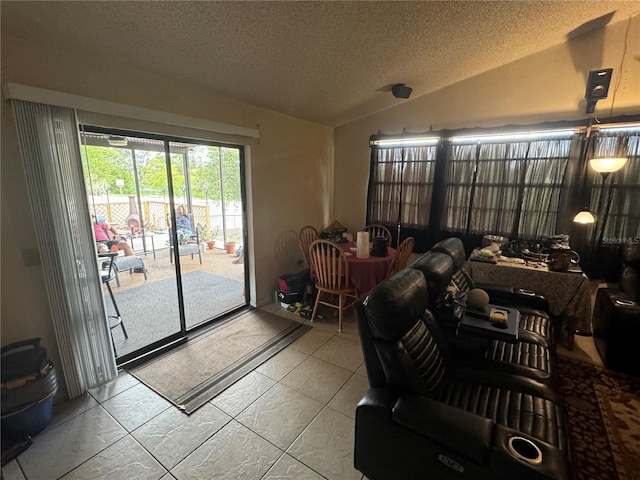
290	172
548	86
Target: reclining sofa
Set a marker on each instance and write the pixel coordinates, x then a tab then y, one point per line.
440	407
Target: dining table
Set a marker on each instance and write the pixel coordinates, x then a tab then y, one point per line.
366	273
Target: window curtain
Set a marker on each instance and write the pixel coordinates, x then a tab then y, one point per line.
615	198
50	149
400	190
511	189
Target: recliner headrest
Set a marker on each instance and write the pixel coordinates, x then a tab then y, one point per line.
437	269
393	307
453	247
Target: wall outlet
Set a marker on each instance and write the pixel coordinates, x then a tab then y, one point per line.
31	257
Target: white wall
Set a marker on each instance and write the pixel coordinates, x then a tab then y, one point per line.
548	86
290	172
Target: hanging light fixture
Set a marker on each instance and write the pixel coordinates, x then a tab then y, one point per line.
584	217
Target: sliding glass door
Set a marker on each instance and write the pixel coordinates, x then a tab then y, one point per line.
177	205
207	181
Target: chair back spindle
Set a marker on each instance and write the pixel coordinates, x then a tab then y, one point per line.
379	231
307	235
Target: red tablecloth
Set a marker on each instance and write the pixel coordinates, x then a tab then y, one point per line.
366	273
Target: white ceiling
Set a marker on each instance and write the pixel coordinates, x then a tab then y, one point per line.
328	62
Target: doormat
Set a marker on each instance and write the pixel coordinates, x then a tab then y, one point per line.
198	371
604	420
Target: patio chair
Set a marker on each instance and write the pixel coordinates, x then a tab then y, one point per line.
129	262
192	247
107	273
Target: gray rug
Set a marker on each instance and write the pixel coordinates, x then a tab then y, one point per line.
150	311
193	374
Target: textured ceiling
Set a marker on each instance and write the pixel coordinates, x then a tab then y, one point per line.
328	62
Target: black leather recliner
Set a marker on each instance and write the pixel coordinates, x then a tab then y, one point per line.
616	316
424	418
535	323
528	356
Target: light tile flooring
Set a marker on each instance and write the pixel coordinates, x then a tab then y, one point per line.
290	418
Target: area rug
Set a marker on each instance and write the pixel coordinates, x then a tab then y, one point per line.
150	311
604	420
196	372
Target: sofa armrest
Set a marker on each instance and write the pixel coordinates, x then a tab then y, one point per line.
508	296
465	432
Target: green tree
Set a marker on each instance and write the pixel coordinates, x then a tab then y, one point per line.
103	166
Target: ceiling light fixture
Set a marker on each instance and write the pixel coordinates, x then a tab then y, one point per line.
117	141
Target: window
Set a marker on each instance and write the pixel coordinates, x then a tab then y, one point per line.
510	188
518	184
400	187
615	198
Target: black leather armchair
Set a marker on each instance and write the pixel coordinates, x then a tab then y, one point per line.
424	418
616	316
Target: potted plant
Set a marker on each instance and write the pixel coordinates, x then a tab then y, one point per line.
230	247
203	231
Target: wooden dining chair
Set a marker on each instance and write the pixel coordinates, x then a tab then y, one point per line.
378	231
403	253
331	272
306	236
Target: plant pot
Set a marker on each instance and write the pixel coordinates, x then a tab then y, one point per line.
230	247
211	244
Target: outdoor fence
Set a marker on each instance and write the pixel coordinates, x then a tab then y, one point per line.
155	214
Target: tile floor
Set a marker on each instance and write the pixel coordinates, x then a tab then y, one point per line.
290	418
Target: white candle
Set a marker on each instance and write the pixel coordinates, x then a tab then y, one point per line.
362	245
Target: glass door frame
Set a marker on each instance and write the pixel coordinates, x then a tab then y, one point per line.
160	346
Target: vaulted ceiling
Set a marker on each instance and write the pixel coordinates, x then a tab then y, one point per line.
328	62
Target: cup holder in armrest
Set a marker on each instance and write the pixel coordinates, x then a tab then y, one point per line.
527	292
625	303
525	450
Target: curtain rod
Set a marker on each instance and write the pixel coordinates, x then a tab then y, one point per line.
28	93
579	126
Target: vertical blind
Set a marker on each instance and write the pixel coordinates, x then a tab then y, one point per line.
49	146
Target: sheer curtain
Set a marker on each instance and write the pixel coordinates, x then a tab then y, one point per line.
48	139
510	188
615	199
400	189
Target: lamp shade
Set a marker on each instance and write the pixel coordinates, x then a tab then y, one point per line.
584	217
607	164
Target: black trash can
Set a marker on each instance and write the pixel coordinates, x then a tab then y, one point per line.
29	384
